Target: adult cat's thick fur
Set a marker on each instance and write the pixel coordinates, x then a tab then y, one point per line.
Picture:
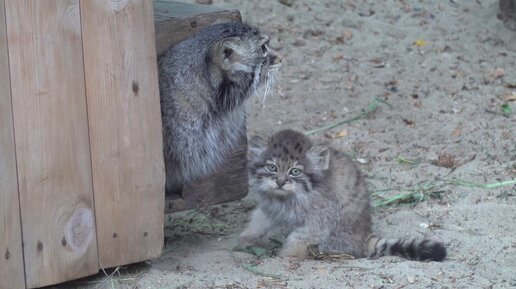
204	82
320	196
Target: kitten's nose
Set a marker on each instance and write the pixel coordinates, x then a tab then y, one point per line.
281	182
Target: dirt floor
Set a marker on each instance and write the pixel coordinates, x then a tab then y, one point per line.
433	85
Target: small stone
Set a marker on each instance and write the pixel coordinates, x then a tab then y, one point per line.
204	2
411	279
510	97
340	134
513	282
286	2
499	72
431	156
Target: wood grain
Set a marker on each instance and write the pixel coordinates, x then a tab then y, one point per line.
175	21
125	129
11	256
52	145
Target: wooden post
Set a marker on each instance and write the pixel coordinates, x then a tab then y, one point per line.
508	13
125	129
11	257
51	137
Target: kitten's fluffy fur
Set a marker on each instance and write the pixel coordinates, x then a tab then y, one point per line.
320	196
204	82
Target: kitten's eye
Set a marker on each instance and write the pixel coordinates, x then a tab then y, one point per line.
295	172
271	168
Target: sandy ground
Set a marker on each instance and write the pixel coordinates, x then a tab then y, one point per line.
445	70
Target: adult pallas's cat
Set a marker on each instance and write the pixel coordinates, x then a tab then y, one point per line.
204	83
320	196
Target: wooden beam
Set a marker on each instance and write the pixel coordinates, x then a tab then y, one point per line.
11	256
125	129
175	21
51	136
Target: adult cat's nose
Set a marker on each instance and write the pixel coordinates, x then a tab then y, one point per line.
278	60
280	182
275	59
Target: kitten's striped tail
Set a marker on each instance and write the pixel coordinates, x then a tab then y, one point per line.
414	249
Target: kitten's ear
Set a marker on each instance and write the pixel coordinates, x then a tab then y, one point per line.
320	156
256	147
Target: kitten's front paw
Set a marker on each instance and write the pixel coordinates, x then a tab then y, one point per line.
294	251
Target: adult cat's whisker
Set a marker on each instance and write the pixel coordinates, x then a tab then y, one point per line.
267	86
270	83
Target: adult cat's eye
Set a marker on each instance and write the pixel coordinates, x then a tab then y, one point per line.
295	172
271	168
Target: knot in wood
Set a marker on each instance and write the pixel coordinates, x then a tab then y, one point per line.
79	230
117	5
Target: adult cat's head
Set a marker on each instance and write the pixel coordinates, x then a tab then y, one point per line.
224	63
242	62
287	165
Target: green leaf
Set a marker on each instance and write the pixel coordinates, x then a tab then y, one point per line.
506	109
253	250
257	251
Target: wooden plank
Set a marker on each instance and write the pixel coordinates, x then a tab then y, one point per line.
125	129
11	256
52	146
185	19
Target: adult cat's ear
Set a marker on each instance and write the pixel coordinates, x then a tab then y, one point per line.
320	156
225	49
256	146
